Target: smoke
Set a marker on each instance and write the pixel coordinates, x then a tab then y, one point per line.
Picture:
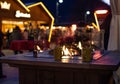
106	1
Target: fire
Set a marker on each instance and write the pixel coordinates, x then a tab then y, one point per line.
79	45
68	53
65	60
65	57
39	49
65	52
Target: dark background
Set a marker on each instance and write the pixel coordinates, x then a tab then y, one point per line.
72	11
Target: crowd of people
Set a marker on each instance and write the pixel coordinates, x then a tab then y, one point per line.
18	34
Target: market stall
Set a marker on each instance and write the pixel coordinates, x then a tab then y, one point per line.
42	16
14	12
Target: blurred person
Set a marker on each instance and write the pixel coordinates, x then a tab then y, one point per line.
8	33
1	54
25	34
31	32
16	35
36	33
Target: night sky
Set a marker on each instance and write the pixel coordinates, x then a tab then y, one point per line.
72	11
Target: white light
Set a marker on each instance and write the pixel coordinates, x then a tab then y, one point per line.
106	1
74	27
20	14
87	12
101	11
5	5
80	45
60	1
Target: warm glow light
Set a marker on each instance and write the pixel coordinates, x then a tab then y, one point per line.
20	14
79	45
50	15
50	34
59	27
23	5
101	11
5	5
96	20
65	60
74	27
47	27
65	57
92	42
53	27
65	51
12	22
88	26
63	28
94	25
39	49
40	3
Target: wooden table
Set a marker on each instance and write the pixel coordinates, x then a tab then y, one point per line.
45	70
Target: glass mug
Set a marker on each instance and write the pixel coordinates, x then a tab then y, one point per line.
87	54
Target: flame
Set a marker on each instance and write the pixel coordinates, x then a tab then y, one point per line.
66	52
38	48
89	27
65	57
65	60
74	52
79	45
